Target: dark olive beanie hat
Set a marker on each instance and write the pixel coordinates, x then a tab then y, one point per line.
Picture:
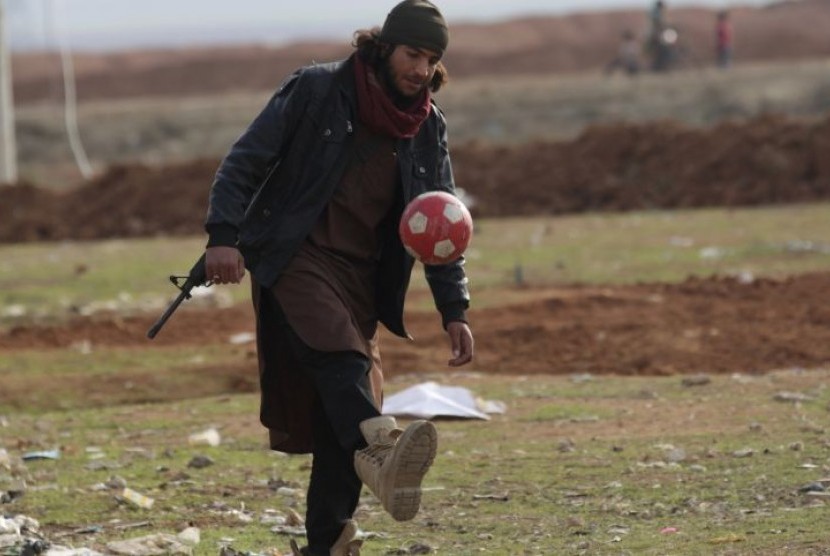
416	23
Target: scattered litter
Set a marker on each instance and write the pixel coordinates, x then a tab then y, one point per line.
668	530
19	536
497	497
94	452
190	536
160	544
210	436
88	530
137	499
45	454
745	453
9	496
676	455
140	452
566	445
429	399
62	551
582	378
84	347
14	311
813	487
200	462
289	492
794	397
101	465
116	483
491	406
242	338
132	525
745	277
696	380
806	246
289	530
271	517
680	241
229	551
618	530
414	548
730	538
711	253
579	419
9	527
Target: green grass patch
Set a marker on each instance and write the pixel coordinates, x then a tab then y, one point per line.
47	280
649	477
76	378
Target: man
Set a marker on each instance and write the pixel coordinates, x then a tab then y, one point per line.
308	200
723	40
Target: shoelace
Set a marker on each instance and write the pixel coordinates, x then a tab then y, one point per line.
377	452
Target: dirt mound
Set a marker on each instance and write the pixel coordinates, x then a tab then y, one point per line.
126	201
579	42
717	325
767	160
610	168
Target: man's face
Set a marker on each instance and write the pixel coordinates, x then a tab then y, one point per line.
410	70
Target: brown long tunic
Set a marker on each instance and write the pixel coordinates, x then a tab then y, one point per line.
327	291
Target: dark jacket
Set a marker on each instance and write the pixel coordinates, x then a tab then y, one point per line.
281	173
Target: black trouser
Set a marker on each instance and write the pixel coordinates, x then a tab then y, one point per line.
344	399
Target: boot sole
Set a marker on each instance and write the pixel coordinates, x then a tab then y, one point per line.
413	456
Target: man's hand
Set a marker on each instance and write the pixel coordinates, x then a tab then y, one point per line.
224	265
461	339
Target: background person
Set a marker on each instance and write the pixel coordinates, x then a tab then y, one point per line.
628	55
723	40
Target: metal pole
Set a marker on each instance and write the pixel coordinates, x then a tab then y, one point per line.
71	108
8	145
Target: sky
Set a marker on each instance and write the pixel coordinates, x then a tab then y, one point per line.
122	24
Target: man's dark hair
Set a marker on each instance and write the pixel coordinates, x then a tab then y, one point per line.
374	53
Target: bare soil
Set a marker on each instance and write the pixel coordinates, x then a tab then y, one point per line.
768	160
716	325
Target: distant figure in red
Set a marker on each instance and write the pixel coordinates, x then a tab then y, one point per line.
723	32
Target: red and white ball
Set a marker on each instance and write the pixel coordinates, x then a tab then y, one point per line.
436	227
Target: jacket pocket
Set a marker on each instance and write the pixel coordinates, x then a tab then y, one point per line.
423	173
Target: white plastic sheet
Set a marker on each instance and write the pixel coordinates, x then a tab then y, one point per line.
429	399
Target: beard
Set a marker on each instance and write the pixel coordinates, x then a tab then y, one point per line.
389	79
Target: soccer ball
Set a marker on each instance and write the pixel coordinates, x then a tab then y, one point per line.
436	227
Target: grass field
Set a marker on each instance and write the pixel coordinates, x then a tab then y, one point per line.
49	281
576	464
604	466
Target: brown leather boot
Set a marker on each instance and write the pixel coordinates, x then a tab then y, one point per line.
395	462
347	544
